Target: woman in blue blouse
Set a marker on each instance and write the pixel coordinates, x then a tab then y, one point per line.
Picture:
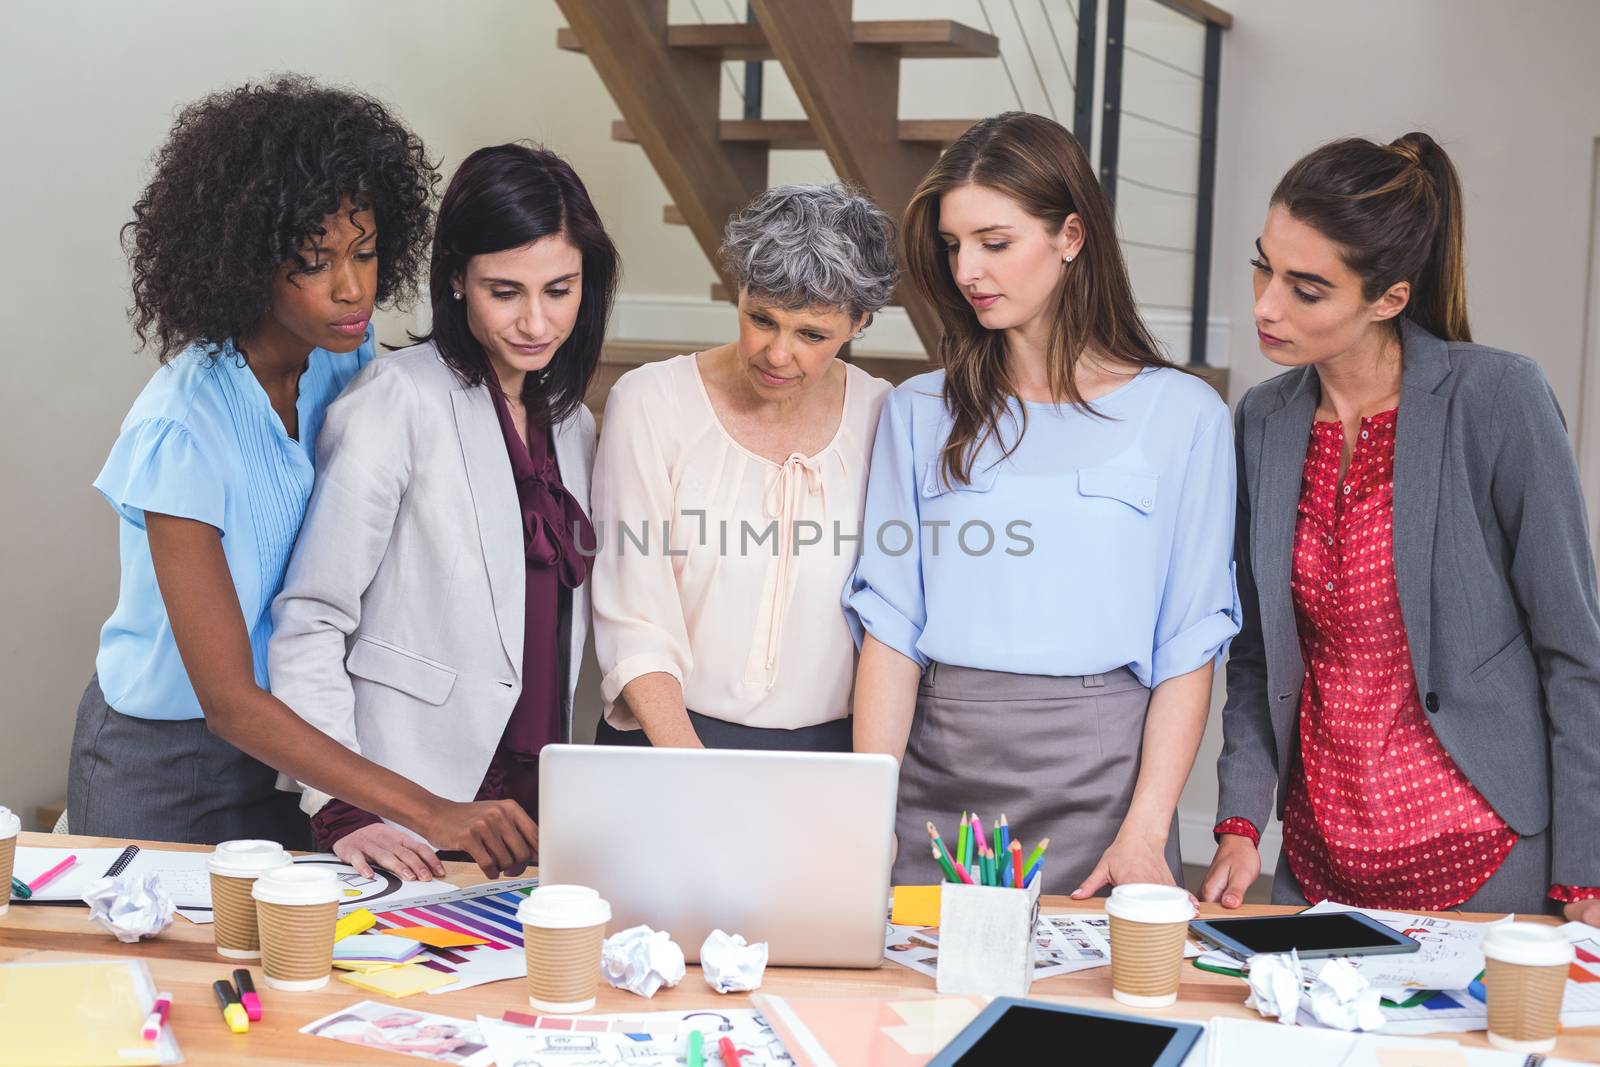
1045	578
278	216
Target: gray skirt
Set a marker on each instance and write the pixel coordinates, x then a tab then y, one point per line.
171	780
833	736
1059	757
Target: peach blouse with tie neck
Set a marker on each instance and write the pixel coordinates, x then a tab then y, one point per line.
720	567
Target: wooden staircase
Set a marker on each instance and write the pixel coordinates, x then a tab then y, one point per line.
665	80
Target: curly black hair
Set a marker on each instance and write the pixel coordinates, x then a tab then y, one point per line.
244	178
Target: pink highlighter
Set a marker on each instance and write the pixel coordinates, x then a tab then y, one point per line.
157	1017
247	995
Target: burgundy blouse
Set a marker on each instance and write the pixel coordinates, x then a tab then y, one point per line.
553	528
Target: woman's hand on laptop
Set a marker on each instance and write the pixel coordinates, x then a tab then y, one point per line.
391	848
497	834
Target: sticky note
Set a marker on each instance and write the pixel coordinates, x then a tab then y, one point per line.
915	905
375	947
400	981
434	936
356	922
366	966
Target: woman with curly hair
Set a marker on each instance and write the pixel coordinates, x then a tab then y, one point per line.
277	217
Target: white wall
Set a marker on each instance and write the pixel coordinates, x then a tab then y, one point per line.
1511	90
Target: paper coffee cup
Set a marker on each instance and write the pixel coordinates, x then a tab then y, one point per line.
562	928
1525	976
10	827
1148	926
297	908
234	867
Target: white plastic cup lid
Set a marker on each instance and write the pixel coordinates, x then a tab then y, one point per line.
246	859
1528	945
10	825
1149	903
297	884
563	907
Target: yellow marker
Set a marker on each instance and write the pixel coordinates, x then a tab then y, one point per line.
232	1011
354	923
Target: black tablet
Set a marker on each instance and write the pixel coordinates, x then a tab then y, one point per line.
1026	1031
1329	933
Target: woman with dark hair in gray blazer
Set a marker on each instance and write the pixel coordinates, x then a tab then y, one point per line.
1418	676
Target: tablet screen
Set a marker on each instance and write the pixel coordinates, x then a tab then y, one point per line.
1023	1035
1303	932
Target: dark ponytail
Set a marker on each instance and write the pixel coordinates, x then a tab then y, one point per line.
1395	210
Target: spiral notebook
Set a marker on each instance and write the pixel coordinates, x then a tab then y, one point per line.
183	874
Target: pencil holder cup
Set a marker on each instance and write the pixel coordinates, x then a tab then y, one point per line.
986	939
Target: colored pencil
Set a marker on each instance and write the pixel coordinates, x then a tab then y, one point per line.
1033	857
943	849
977	876
949	871
961	841
995	847
960	873
1038	872
1016	865
1005	836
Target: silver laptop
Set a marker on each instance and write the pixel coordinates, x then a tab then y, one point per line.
790	848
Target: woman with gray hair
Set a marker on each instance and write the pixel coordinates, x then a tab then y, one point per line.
728	494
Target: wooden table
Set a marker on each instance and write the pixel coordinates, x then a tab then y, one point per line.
183	960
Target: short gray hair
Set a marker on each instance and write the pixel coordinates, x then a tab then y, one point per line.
805	246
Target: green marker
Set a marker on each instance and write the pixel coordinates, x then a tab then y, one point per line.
697	1052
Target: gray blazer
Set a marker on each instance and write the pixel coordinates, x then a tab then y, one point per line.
399	628
1496	584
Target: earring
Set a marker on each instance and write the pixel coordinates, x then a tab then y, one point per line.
456	293
1069	260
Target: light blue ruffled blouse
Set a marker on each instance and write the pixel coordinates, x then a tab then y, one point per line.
203	442
1100	542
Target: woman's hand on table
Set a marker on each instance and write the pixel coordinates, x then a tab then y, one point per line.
1583	911
497	834
1234	869
391	848
1131	858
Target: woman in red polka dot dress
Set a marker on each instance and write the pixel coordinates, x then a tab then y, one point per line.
1418	677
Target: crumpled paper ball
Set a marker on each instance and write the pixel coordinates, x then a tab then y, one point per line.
1342	998
642	960
131	906
730	965
1275	986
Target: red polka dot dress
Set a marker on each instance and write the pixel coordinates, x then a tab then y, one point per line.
1377	814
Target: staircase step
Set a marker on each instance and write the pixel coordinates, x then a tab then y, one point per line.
933	131
797	133
926	39
907	38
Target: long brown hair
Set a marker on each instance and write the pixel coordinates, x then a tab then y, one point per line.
1394	210
1041	166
